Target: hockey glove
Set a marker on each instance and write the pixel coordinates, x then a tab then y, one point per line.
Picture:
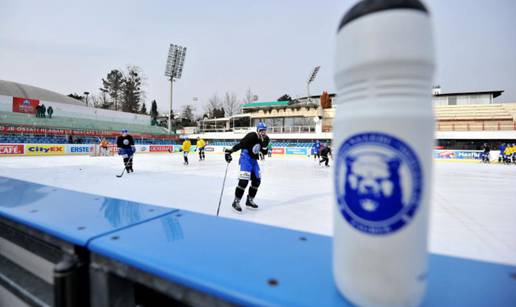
227	155
133	148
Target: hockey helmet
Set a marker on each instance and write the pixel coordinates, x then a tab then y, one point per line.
261	126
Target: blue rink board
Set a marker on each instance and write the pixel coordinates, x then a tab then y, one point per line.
72	216
234	260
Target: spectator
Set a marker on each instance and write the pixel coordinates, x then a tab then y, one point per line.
50	111
38	110
43	110
70	139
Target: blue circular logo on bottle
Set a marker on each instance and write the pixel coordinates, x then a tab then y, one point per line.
378	182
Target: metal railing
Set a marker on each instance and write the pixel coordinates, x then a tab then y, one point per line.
476	126
293	129
487	125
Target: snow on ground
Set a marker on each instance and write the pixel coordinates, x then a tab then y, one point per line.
473	214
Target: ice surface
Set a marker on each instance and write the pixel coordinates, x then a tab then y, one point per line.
473	211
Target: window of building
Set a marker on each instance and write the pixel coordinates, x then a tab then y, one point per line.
240	122
278	121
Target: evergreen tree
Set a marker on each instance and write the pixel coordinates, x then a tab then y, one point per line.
285	97
76	96
219	113
105	102
113	86
154	110
143	110
187	115
131	90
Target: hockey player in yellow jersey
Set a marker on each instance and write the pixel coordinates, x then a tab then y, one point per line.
185	148
508	152
200	147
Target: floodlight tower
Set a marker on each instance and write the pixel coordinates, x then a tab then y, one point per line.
311	78
174	69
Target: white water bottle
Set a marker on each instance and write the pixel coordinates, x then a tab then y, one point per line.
384	137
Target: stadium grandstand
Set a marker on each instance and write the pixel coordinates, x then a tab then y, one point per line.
71	121
470	126
464	120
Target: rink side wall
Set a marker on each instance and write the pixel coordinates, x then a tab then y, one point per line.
9	149
68	248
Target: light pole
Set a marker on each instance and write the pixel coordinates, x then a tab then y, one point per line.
311	78
173	70
86	94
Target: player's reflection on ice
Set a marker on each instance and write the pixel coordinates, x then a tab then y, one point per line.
120	213
172	228
16	193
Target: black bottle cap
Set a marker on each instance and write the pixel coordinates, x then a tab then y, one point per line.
365	7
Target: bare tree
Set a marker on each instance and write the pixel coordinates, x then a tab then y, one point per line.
231	104
96	100
213	104
249	96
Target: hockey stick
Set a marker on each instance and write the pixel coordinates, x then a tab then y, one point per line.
125	166
222	191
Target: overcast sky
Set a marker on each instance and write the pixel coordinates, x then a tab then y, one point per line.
269	46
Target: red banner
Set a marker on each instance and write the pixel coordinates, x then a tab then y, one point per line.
160	148
24	105
278	150
30	130
15	149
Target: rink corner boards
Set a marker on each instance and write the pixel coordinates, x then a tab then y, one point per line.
66	248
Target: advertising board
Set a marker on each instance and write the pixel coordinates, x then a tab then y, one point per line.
11	149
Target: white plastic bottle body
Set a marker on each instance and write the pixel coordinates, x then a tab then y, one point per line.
383	142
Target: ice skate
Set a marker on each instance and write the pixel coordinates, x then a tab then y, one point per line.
236	206
250	204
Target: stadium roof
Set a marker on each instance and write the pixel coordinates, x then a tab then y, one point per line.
265	104
494	93
15	89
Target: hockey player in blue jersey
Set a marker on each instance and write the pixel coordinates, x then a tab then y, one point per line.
126	149
316	149
501	157
251	146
